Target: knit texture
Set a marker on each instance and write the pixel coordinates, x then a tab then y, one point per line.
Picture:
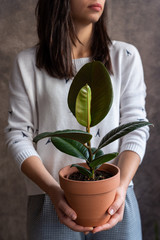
38	103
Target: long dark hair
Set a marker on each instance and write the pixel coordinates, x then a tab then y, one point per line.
56	34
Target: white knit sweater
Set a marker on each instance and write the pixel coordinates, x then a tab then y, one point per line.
38	103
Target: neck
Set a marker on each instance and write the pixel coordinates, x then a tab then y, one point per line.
82	48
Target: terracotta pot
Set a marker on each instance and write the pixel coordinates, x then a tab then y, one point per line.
90	199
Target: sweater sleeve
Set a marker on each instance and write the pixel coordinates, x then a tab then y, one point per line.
20	130
132	102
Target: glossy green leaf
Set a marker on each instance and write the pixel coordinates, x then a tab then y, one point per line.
83	106
98	153
97	77
93	150
77	135
82	170
121	131
102	159
71	147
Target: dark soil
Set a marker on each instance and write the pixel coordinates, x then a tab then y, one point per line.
99	175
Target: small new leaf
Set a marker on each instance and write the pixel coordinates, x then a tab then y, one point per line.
83	106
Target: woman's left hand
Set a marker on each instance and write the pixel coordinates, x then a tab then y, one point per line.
116	210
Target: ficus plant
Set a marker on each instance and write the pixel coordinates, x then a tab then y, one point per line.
89	99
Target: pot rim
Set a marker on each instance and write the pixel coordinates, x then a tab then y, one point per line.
89	182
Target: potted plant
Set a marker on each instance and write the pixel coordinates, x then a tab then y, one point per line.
90	187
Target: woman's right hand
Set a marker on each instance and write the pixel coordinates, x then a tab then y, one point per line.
65	213
33	168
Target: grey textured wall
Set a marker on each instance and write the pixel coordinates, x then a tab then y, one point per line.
133	21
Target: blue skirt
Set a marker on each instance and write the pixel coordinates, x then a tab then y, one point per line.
43	223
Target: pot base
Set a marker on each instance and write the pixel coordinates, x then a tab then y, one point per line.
94	222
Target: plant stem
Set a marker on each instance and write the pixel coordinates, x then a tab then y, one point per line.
93	174
88	113
89	146
96	151
90	154
89	143
88	129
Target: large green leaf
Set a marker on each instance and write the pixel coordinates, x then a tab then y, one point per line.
71	147
82	170
96	76
83	106
121	131
77	135
97	162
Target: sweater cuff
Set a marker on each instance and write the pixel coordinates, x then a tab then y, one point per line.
22	156
134	148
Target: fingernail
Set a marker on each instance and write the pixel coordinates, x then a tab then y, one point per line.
91	229
74	217
111	211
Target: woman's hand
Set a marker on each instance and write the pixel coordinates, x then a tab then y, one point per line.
35	170
128	163
66	214
116	210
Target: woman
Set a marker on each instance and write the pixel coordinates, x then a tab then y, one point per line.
72	33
